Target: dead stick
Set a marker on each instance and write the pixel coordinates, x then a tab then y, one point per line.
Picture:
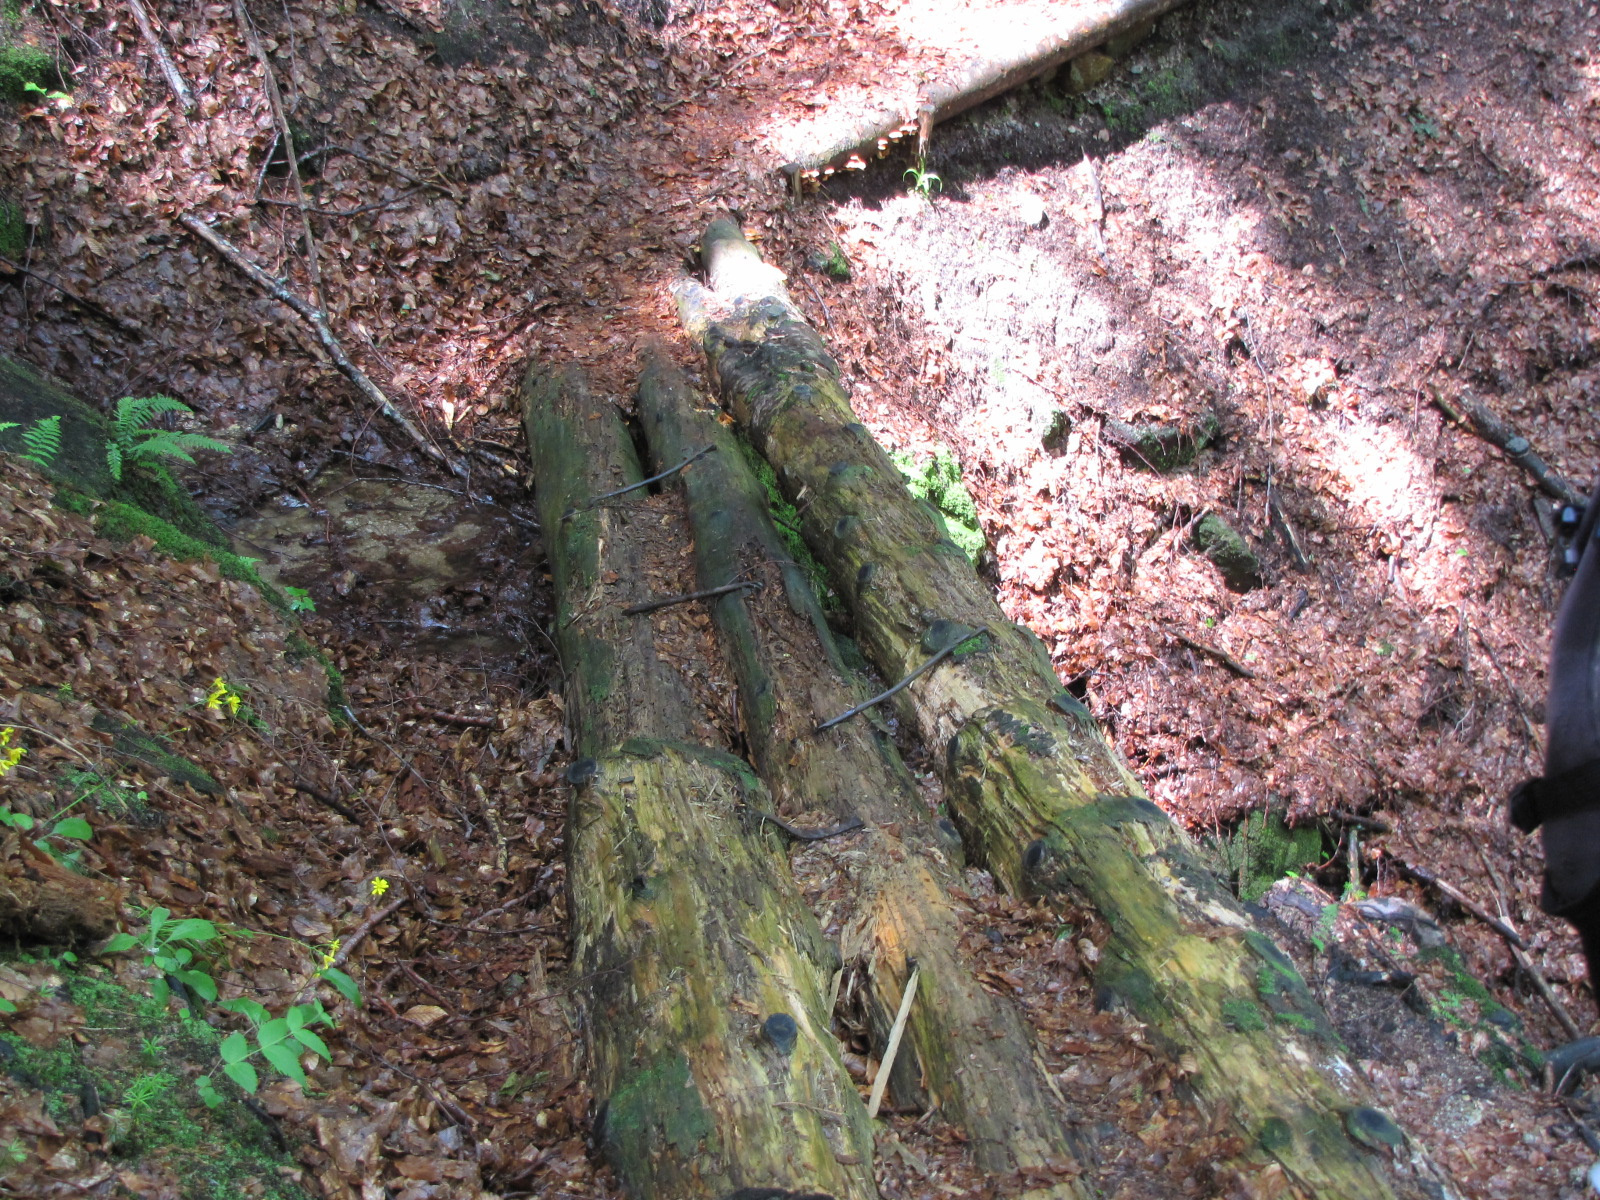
318	321
1222	656
382	165
340	212
1517	448
668	601
932	662
1540	983
447	718
169	70
491	816
275	100
1424	876
348	946
93	306
1516	700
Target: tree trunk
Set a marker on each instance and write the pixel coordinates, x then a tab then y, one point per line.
1083	27
707	1024
1043	801
975	1053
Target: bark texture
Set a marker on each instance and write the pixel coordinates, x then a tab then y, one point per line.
1042	800
1083	26
976	1056
705	974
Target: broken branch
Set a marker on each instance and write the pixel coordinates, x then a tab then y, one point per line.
634	487
932	662
1221	656
318	320
169	71
84	302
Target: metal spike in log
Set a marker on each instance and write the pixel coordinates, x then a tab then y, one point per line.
1043	801
705	1005
974	1051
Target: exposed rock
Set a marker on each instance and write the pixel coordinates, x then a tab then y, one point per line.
1228	551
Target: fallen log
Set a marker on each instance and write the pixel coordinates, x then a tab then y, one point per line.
975	1054
1042	800
705	1007
1082	27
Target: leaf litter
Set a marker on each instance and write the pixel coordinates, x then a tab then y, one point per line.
1311	256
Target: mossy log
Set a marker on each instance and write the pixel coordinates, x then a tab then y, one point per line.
1042	800
1081	27
704	974
976	1055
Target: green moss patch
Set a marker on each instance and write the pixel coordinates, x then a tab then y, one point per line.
27	72
129	1092
938	481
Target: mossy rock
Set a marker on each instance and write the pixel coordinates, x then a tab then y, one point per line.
26	72
1162	448
1228	552
830	262
1261	851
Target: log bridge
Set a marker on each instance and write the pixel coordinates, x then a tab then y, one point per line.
707	984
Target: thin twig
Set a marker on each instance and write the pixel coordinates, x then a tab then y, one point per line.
708	594
810	835
180	90
340	212
820	301
1424	876
1221	656
344	810
1540	983
634	487
449	718
325	151
347	946
932	662
491	817
886	1064
1516	700
93	306
1475	415
281	116
317	319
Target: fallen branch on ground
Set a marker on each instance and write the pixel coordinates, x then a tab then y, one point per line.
169	70
83	302
318	320
1472	413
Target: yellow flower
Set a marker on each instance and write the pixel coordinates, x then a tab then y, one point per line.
331	953
380	885
222	695
10	755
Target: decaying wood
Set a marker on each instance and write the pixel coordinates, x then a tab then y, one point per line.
707	1018
1042	799
318	320
972	1054
169	70
1083	26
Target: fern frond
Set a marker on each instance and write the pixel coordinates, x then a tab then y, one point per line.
135	412
43	440
114	460
5	425
164	443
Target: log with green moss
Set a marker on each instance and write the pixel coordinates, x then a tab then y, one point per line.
970	1052
703	975
1042	799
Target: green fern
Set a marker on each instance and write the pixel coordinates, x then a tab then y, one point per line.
42	440
132	440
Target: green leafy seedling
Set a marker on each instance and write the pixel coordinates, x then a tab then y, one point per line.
923	181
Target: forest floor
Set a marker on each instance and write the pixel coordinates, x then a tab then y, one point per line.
1305	234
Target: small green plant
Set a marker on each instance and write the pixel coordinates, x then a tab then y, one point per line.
26	72
41	439
107	795
300	600
277	1041
923	181
146	1090
1323	931
132	440
938	481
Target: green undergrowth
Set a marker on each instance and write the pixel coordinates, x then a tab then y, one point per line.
787	519
937	479
1490	1029
1262	850
137	1068
13	231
